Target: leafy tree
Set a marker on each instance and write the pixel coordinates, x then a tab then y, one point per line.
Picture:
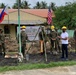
66	15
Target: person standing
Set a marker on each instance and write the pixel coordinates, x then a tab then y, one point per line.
23	40
53	39
2	43
64	41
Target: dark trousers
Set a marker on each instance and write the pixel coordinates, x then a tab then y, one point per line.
0	49
64	50
23	50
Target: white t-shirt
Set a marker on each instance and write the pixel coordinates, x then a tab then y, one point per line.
64	35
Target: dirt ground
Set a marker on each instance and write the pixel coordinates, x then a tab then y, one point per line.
36	58
69	70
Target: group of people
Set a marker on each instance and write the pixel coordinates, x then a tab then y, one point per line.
53	36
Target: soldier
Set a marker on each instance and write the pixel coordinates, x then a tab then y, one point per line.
53	38
2	43
23	39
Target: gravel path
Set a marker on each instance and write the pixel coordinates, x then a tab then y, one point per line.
70	70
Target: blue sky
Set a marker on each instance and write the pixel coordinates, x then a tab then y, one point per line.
33	2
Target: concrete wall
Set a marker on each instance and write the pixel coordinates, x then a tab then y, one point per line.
12	30
24	16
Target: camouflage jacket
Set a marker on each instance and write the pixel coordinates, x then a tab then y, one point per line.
2	39
23	38
53	35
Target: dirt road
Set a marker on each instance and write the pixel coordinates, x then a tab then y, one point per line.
70	70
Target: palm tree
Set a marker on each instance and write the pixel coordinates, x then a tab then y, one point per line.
53	7
15	6
38	5
2	5
43	5
25	5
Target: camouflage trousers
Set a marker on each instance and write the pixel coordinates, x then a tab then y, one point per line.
23	47
53	45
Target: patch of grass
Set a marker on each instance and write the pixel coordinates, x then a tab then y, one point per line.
22	66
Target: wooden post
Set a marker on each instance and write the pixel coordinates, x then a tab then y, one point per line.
41	46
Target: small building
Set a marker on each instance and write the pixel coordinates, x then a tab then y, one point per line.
27	17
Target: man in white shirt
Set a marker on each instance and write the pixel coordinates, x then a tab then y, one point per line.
64	41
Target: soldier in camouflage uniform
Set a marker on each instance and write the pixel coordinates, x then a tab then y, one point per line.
2	43
23	39
53	38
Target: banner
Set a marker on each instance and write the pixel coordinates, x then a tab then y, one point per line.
31	32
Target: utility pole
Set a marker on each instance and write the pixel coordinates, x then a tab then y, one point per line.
19	25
